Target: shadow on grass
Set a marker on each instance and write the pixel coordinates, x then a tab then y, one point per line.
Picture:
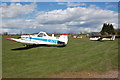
34	46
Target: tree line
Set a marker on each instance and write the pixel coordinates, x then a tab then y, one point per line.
107	29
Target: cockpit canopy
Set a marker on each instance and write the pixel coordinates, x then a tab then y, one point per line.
42	34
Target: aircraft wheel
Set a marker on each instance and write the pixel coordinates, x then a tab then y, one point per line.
34	44
64	45
26	45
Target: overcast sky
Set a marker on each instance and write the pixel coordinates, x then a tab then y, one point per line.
60	17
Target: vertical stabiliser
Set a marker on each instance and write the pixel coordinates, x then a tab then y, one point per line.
64	38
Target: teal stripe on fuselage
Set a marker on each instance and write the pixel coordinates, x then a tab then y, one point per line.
41	39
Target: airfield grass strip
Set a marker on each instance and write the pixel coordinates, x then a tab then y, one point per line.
42	62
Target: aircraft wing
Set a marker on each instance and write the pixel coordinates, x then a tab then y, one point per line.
106	39
22	41
34	41
94	38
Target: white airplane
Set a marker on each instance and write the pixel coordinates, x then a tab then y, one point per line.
42	38
99	38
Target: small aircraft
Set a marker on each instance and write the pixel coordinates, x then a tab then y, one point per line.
42	38
100	38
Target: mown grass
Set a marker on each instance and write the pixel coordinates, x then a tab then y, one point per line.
45	61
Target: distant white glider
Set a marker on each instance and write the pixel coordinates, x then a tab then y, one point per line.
99	38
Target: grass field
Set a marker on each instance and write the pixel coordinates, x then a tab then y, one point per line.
45	61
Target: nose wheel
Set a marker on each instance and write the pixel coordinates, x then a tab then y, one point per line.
29	45
26	45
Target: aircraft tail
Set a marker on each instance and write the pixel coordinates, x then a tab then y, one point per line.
113	37
64	38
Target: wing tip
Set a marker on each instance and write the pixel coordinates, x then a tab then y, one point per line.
10	39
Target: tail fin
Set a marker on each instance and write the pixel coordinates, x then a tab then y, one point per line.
113	37
64	38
